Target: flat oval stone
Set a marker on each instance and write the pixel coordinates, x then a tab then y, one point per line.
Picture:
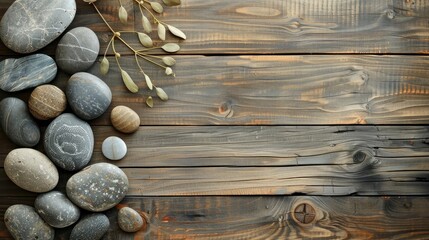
88	95
31	170
77	50
69	142
124	119
56	209
98	187
29	25
17	122
114	148
46	102
26	72
129	220
23	222
91	227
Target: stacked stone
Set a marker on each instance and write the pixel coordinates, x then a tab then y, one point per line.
68	142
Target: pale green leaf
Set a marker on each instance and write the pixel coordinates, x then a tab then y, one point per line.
128	81
169	61
145	40
104	66
149	102
123	15
176	32
147	26
161	31
172	2
168	71
157	7
171	47
161	94
148	82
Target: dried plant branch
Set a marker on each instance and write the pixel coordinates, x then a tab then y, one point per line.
151	8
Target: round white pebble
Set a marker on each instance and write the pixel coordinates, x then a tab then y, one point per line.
114	148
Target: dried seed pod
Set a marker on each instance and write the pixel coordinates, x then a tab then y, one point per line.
169	61
171	47
128	81
161	94
104	66
161	31
168	71
148	82
149	102
124	119
145	40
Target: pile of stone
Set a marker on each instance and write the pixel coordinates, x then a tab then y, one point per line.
68	142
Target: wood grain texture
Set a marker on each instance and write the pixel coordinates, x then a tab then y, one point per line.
277	90
363	160
276	26
266	218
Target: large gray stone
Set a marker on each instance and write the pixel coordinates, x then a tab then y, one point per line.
77	50
31	170
17	123
98	187
26	72
88	95
56	209
91	227
69	142
30	25
23	222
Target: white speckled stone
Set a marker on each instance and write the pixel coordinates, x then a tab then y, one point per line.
114	148
23	222
98	187
30	25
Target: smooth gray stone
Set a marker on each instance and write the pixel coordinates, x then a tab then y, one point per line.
114	148
17	123
56	209
26	72
77	50
91	227
30	25
69	142
23	222
88	95
129	220
31	170
98	187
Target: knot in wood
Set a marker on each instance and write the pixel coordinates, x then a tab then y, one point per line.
304	213
359	157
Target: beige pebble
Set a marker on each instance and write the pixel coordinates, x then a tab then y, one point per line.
124	119
46	102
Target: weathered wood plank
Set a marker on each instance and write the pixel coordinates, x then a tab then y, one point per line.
361	160
278	90
278	26
267	218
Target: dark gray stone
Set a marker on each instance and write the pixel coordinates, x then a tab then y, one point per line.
69	142
98	187
56	209
88	96
26	72
91	227
17	123
129	220
29	25
31	170
77	50
23	222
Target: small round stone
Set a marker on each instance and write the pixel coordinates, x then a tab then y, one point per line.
31	170
114	148
88	95
56	209
69	142
124	119
129	220
98	187
91	227
23	222
46	102
17	123
77	50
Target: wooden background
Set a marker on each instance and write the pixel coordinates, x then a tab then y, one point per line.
275	103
